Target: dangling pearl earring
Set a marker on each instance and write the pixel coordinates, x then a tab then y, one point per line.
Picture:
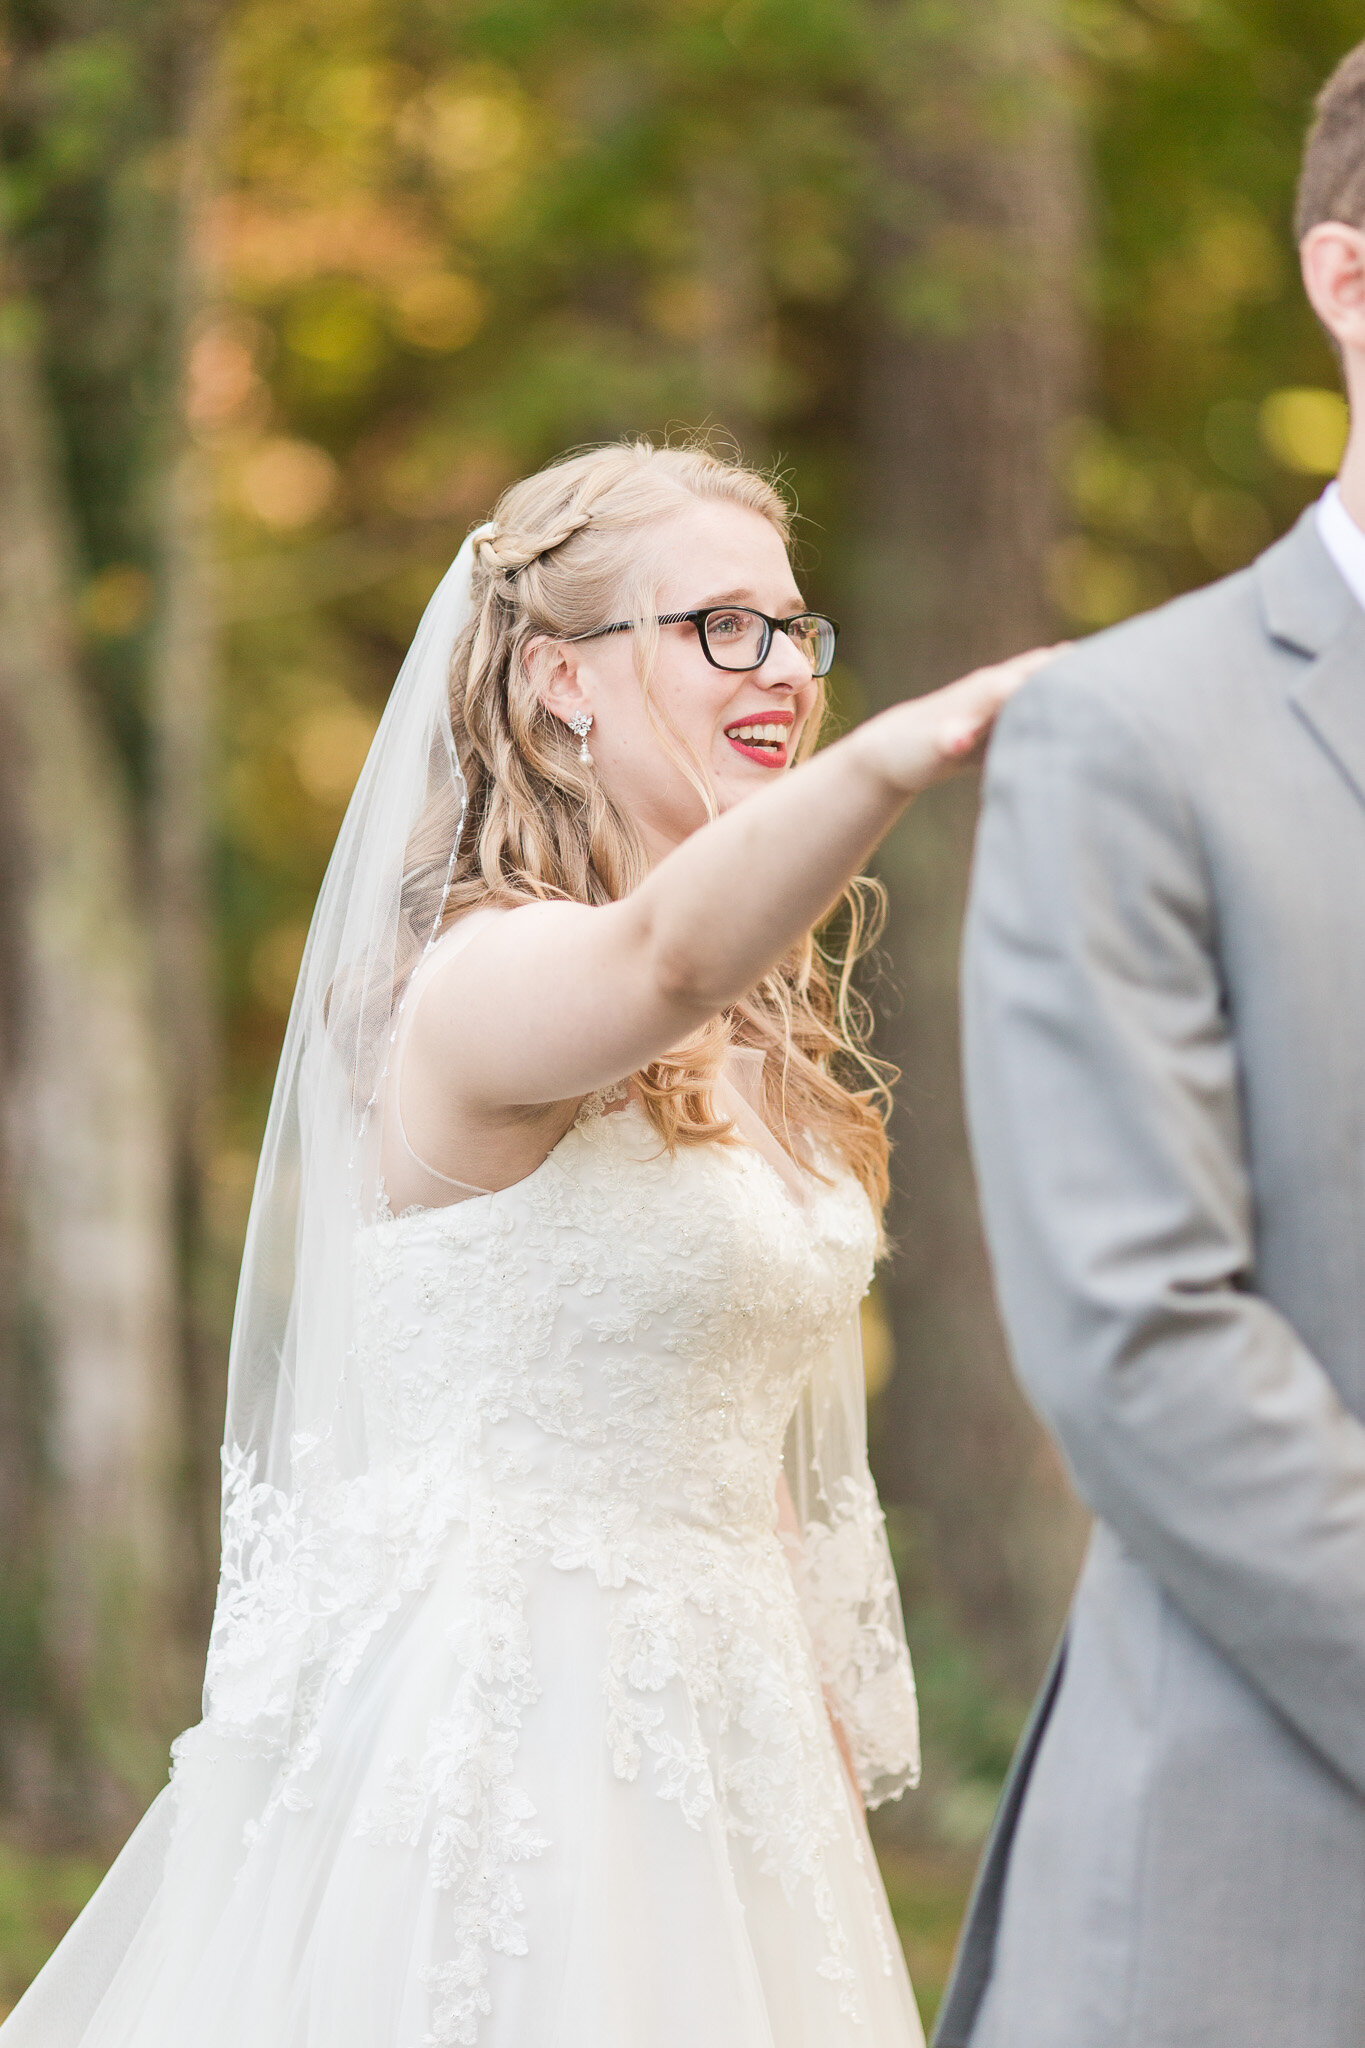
581	724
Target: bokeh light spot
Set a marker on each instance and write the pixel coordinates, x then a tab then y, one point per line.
117	601
463	128
1230	527
335	339
1095	586
329	751
1305	429
1232	435
287	484
441	313
224	383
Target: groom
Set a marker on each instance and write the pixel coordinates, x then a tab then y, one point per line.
1165	1049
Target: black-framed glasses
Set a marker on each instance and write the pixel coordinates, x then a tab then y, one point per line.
735	636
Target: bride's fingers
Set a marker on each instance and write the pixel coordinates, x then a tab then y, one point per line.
999	682
983	695
925	738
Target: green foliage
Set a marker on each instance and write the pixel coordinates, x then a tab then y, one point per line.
969	1722
87	177
40	1895
1192	461
456	242
927	1893
455	239
461	239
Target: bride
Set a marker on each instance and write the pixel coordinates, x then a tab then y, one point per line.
557	1643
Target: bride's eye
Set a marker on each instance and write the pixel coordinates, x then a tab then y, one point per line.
729	625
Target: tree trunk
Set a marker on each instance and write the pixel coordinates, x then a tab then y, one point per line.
20	1394
88	1143
183	693
735	308
972	368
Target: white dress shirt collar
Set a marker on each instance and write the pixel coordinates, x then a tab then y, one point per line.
1343	540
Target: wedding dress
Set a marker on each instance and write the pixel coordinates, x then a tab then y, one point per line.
517	1728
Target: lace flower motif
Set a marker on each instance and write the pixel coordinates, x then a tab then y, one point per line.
593	1372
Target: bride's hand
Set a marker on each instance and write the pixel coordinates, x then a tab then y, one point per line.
720	910
925	739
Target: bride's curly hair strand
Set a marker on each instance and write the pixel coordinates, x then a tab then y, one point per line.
566	549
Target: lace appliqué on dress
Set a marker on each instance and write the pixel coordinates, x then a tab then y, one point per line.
851	1604
659	1367
461	1793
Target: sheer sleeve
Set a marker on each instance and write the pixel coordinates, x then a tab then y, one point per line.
846	1582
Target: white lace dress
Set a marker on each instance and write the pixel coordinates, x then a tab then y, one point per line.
575	1785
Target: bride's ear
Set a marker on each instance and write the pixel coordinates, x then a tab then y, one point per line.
553	673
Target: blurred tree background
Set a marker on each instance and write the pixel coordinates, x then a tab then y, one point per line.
287	293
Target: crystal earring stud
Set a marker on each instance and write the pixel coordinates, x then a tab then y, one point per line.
581	725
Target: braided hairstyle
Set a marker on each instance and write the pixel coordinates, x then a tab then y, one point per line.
567	549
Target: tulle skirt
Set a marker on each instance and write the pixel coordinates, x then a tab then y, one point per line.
466	1866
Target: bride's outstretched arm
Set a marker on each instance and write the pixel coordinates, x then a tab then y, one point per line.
558	998
730	901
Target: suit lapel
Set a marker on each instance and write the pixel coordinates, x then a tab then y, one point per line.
1308	607
1330	698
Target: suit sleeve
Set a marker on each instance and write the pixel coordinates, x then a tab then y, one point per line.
1103	1102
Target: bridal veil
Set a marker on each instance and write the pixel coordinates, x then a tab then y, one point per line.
323	1540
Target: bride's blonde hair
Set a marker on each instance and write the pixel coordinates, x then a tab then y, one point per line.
567	550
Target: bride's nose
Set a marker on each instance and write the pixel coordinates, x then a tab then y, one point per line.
784	667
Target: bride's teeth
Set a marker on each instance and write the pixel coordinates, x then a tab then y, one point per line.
770	735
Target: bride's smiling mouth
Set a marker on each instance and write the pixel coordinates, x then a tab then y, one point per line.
762	738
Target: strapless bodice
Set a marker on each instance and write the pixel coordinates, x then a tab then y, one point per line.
625	1330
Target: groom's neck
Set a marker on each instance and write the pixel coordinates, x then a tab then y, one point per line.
1351	479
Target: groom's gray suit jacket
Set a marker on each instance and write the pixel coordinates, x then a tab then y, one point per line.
1165	1050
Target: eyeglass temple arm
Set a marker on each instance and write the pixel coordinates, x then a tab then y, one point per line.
629	625
599	632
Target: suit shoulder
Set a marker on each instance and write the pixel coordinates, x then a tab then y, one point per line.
1163	672
1167	676
1161	667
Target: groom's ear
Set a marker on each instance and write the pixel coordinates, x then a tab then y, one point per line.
1329	207
1332	257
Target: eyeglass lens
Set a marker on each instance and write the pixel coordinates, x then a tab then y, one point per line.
738	639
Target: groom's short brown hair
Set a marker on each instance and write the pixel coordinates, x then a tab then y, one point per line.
1332	181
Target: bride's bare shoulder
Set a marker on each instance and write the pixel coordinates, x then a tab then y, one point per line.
481	956
501	932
